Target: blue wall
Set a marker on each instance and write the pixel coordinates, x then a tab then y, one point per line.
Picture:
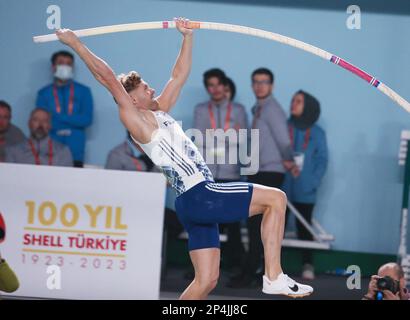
361	194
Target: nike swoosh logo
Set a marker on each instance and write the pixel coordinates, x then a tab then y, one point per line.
294	288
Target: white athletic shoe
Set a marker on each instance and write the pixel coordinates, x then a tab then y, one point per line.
285	286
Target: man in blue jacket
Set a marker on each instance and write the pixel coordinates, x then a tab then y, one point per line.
311	156
70	104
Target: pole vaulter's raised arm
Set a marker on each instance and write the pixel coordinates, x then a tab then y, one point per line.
106	76
181	70
98	67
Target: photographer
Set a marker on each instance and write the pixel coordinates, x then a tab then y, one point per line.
388	284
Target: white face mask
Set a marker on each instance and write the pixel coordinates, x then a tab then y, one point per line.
64	72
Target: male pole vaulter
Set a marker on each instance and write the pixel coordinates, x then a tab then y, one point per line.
201	203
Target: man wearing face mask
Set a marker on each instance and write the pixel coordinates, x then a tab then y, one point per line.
40	148
70	104
311	156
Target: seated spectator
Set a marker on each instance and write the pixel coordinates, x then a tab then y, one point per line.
40	149
9	133
126	156
310	155
393	273
70	104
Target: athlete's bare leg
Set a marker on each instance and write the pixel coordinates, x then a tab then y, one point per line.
270	202
206	266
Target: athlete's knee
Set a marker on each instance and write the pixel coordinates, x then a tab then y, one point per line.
213	283
212	280
208	282
278	198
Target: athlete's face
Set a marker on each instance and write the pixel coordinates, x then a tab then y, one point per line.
297	105
216	89
143	95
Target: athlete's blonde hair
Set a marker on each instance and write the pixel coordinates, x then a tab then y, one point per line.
130	81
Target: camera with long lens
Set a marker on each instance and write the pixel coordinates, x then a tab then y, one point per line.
386	283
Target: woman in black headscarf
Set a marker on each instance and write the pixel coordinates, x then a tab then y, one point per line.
311	156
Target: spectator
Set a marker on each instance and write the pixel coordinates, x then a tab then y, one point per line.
9	133
311	156
126	156
220	112
70	104
395	273
230	89
274	151
40	149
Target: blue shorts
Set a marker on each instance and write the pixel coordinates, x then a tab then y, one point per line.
206	204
